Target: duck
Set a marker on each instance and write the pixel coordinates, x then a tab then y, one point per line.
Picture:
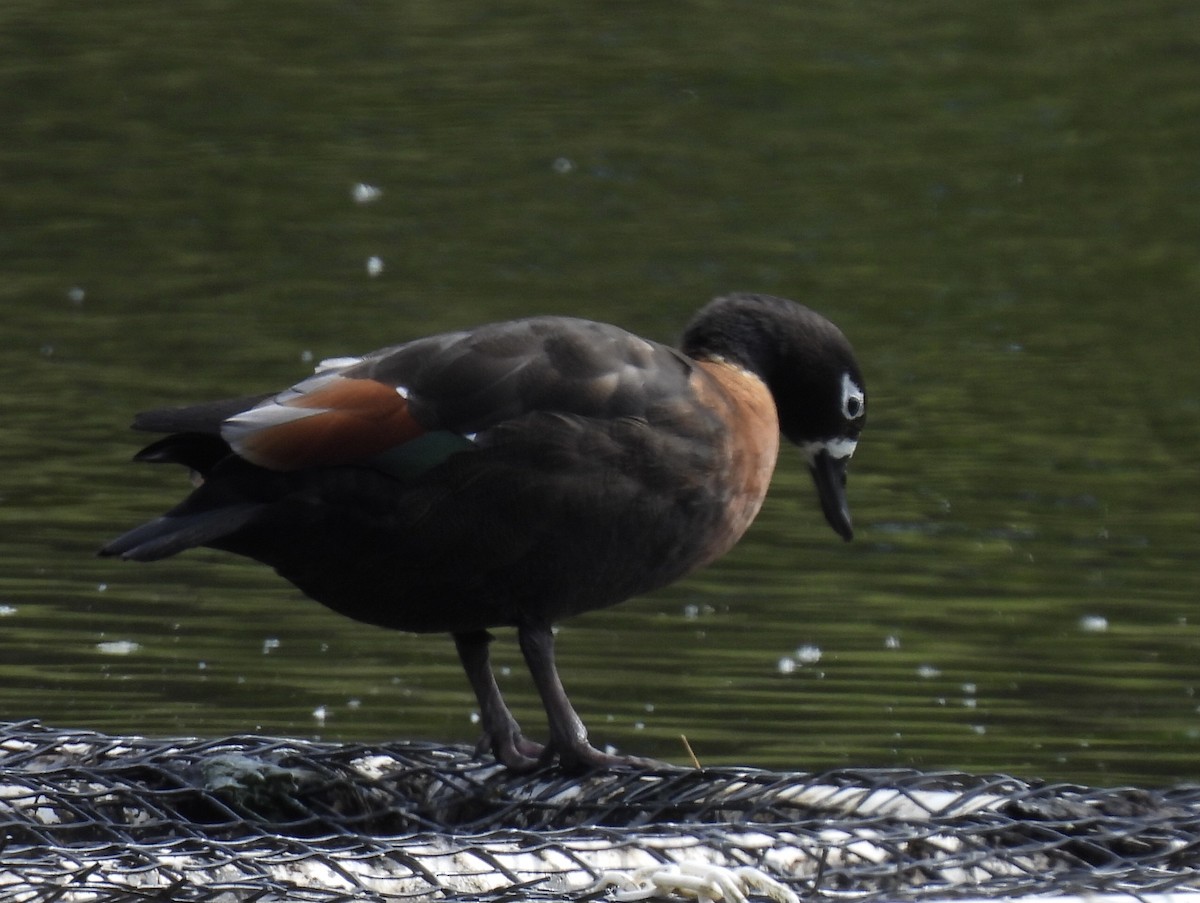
513	475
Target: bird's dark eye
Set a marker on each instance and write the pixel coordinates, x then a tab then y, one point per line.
854	400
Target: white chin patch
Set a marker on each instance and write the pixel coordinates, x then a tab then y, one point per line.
838	449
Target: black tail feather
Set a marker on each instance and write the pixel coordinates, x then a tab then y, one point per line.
199	451
196	418
173	533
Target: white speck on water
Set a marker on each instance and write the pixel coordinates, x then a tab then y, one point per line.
118	647
691	611
75	294
505	670
6	610
201	666
970	703
306	356
1093	623
891	642
320	713
269	644
979	729
475	719
969	689
101	587
639	725
374	266
354	703
563	165
808	654
928	672
366	194
649	707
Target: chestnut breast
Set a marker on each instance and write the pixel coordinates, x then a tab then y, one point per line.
751	445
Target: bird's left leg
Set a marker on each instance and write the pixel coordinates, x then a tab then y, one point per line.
568	736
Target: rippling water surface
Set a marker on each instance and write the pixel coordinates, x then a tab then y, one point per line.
998	202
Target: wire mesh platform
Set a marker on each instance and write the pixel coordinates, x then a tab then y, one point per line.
90	817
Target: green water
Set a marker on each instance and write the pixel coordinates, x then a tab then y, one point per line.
998	202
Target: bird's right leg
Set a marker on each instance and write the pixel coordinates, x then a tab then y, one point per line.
501	733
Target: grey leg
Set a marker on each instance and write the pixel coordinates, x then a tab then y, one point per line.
568	736
501	733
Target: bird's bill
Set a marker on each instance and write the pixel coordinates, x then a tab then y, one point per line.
829	473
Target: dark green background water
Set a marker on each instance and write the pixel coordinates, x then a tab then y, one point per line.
999	203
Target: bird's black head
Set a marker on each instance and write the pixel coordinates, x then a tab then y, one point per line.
809	366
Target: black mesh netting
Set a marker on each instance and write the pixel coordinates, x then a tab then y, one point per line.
89	817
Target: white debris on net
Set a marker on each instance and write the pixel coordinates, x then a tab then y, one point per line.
916	805
418	867
17	799
694	880
447	865
428	867
841	849
15	745
375	767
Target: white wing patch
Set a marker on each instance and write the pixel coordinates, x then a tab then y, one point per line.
264	416
336	363
278	410
302	388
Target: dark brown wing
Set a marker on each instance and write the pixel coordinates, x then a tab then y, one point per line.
464	383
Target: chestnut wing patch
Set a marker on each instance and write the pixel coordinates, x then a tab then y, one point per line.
326	420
